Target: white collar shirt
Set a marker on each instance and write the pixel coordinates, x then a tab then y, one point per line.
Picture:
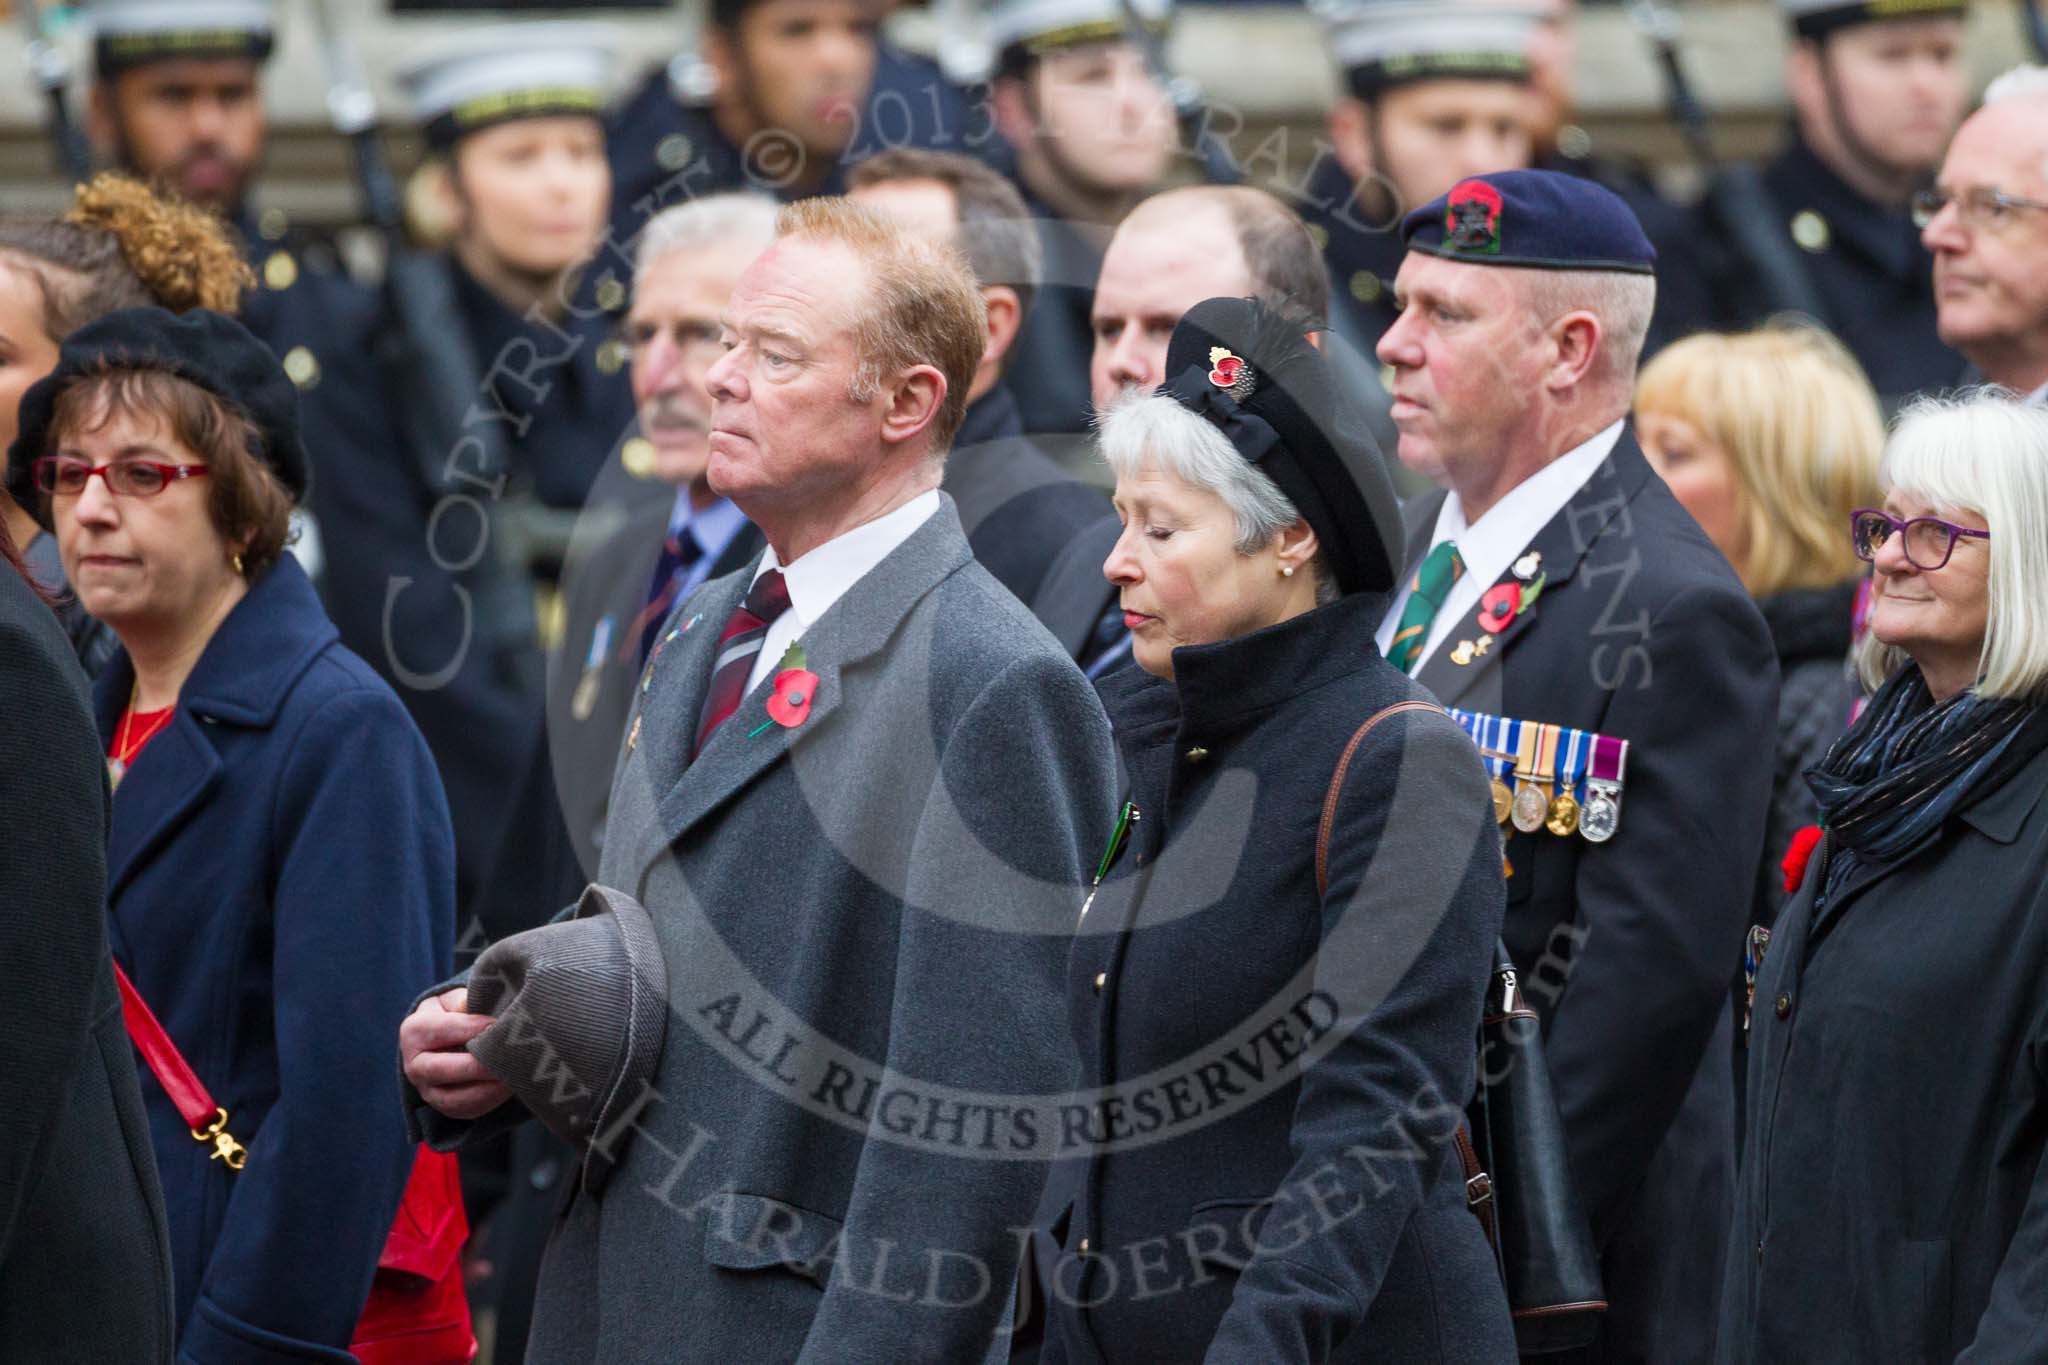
1490	546
822	576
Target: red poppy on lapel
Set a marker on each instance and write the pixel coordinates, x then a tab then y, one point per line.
1799	855
790	703
1505	601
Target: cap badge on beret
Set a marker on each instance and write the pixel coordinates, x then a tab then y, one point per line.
1472	217
1229	373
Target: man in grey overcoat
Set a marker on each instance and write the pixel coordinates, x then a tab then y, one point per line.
857	799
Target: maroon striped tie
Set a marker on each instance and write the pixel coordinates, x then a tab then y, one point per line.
737	647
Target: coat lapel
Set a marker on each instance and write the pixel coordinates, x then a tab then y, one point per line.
857	626
1563	544
166	782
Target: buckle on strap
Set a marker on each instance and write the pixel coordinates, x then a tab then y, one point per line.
225	1148
1478	1190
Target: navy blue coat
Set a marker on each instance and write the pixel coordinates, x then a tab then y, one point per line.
281	881
1268	1172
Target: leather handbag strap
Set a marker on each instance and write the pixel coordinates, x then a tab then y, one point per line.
1337	785
207	1120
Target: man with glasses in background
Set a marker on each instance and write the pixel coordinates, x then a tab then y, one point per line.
1986	221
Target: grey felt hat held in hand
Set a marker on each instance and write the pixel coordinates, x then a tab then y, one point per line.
581	1008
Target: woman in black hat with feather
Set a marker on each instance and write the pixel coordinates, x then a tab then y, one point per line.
280	871
1277	984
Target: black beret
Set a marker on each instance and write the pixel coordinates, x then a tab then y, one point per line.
1544	220
204	348
1249	370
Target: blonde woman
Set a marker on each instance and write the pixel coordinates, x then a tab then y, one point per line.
1770	439
1894	1196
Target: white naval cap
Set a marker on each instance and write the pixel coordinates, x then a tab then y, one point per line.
131	32
491	74
1034	27
1381	43
1818	18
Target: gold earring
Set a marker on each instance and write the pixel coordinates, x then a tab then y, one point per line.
236	561
1287	571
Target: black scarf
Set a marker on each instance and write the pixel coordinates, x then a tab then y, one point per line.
1908	764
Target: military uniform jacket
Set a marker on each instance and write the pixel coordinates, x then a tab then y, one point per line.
890	883
1627	948
1020	509
1252	1043
665	152
421	580
1047	369
1894	1200
1874	279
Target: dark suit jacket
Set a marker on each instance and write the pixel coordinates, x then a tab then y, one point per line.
1625	948
1894	1197
1231	1207
85	1262
890	886
281	876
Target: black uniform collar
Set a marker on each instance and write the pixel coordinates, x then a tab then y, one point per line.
1801	182
991	417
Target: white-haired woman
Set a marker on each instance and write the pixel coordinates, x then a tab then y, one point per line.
1894	1200
1276	1008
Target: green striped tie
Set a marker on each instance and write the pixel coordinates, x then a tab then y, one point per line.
1440	568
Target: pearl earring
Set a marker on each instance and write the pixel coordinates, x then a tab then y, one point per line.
1287	571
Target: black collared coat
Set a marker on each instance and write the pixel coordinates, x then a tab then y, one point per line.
1894	1200
1274	1073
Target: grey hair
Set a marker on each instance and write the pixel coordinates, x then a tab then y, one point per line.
1984	454
741	219
1623	302
1152	431
2021	82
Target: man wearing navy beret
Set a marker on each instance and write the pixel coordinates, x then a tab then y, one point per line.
1556	582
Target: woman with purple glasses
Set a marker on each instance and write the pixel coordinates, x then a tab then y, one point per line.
1894	1201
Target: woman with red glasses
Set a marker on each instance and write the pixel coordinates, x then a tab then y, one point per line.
280	867
1893	1203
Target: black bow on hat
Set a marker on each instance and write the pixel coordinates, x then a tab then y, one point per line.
1249	370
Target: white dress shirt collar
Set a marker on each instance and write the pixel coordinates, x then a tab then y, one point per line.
1490	545
822	575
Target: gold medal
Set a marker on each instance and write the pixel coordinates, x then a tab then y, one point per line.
1564	814
1503	802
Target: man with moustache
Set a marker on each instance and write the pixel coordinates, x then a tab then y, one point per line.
652	533
1877	91
857	794
1986	222
1555	582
